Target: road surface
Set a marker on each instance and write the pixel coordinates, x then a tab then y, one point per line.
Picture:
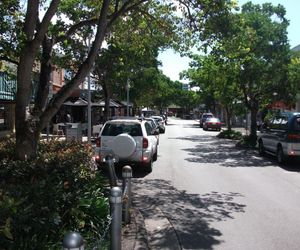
216	196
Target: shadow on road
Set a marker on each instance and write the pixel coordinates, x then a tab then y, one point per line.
190	214
194	125
210	149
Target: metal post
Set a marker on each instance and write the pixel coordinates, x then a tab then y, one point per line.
48	131
116	215
127	88
89	103
127	175
73	241
111	169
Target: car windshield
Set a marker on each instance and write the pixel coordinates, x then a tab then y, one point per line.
114	129
207	116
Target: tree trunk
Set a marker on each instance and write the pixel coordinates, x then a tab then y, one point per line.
253	126
25	146
228	118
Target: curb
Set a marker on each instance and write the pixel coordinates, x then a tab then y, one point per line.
134	235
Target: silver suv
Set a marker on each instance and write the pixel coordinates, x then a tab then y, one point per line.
130	141
280	136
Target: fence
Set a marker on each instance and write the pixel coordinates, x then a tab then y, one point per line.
120	201
7	87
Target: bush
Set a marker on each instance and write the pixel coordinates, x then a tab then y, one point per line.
247	141
44	198
230	134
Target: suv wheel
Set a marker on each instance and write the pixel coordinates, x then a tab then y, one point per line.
261	148
148	166
280	156
155	156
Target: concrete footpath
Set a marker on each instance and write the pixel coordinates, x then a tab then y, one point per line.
154	233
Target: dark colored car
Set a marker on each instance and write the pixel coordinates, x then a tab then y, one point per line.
204	117
212	123
280	136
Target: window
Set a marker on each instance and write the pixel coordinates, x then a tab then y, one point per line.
116	129
279	123
149	129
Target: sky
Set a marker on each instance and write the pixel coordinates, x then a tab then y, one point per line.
173	64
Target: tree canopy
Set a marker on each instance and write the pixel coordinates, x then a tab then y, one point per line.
251	59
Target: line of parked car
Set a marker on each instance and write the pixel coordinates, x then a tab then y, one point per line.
278	136
130	140
208	121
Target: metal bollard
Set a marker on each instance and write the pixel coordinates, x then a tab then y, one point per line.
116	214
73	241
111	168
127	175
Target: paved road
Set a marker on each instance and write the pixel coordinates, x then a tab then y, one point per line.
216	196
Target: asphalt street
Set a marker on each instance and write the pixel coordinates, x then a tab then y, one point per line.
204	193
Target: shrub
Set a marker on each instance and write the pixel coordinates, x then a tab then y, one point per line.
42	199
230	134
247	141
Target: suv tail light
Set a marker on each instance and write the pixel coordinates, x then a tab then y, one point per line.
145	143
97	158
98	142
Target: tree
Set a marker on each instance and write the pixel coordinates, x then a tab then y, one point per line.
131	55
217	80
36	34
256	44
264	65
35	40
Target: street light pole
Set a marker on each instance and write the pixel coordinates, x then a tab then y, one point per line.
89	102
127	88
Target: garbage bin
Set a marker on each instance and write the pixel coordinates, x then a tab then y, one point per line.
74	132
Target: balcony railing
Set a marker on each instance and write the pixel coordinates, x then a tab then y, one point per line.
8	87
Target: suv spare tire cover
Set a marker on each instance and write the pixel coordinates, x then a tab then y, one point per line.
123	145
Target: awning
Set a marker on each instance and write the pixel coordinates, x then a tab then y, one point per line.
80	103
112	104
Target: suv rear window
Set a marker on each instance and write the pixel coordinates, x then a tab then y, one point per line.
112	129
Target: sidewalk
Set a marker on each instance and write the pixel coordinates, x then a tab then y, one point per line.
137	235
134	235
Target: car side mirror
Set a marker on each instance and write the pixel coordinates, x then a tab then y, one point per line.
156	132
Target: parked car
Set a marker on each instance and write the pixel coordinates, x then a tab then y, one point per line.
212	123
130	141
165	118
203	118
152	122
280	136
160	122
